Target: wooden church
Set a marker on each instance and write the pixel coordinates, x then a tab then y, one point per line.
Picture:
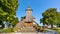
27	22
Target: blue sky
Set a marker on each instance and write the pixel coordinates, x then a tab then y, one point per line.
38	7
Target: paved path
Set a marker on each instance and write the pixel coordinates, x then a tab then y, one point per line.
52	32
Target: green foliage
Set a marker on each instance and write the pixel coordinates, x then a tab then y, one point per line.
8	10
58	24
50	16
14	21
7	30
9	6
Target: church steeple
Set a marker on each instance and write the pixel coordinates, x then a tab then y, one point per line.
28	14
29	9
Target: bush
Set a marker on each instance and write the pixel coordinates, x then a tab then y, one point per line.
7	30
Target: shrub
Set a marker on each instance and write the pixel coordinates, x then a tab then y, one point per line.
7	30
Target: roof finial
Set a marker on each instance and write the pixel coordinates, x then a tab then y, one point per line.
28	6
28	9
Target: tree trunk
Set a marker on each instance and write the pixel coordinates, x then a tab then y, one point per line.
51	25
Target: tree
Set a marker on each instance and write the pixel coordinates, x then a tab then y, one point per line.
1	24
14	21
50	17
58	24
8	10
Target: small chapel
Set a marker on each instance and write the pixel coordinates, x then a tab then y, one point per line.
27	22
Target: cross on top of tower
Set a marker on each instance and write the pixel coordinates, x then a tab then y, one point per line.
29	6
29	9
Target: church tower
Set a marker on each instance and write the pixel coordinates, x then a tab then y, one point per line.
28	14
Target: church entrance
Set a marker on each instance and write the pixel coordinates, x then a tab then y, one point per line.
28	24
